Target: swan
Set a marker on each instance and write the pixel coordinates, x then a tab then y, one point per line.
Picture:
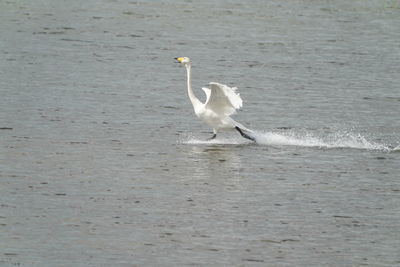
222	102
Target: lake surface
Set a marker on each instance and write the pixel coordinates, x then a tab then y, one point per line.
103	162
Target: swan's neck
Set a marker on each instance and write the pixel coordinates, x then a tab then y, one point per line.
195	101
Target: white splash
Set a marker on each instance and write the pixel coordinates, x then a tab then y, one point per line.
335	140
188	138
291	138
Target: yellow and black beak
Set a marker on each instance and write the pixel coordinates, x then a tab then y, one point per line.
179	59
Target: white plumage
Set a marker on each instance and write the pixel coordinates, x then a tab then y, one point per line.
223	99
222	102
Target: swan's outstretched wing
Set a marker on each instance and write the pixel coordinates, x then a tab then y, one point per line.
222	99
207	91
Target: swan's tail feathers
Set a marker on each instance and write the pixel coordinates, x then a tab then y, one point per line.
246	133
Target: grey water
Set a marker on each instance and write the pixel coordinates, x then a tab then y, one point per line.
103	162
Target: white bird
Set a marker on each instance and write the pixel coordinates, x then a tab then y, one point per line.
222	102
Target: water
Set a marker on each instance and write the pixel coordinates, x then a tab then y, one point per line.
103	162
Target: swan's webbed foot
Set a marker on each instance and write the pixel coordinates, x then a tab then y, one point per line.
212	137
245	135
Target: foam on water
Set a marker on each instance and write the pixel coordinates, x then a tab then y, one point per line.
334	140
189	138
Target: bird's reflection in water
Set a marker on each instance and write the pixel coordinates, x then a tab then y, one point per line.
217	163
217	179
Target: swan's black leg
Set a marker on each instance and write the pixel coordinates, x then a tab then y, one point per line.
212	137
245	135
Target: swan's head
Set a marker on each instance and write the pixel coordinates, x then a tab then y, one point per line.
183	60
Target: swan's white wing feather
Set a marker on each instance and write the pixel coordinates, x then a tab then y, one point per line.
208	92
223	99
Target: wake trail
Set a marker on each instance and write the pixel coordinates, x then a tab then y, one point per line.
304	139
335	140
